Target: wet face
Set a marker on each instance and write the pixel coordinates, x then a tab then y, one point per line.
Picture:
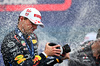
96	49
27	27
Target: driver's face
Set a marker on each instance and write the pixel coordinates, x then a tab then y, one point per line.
28	26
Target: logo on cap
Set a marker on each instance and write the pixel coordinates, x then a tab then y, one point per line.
27	12
38	16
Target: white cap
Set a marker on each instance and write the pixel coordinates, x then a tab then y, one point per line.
33	15
90	36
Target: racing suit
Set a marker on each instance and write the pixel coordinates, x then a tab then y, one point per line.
21	50
83	57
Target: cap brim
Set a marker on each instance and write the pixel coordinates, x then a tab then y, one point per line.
37	23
